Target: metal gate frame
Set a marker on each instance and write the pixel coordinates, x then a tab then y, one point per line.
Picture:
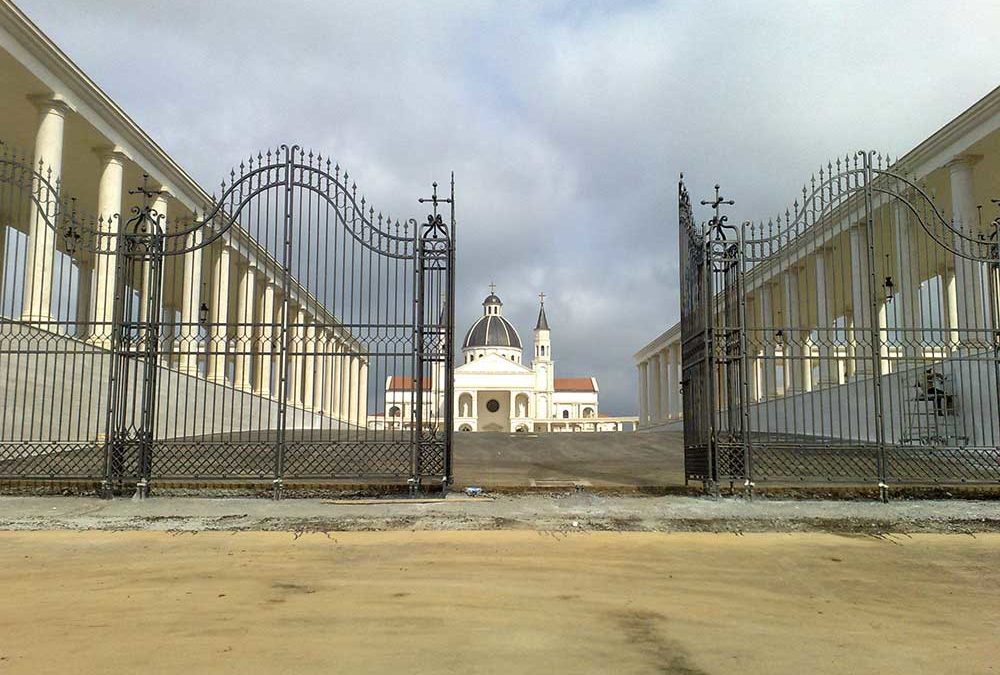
382	289
733	428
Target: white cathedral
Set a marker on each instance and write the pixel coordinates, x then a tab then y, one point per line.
496	391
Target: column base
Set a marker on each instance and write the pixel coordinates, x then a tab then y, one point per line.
96	341
37	318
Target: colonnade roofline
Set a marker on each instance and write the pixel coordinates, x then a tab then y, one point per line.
79	94
954	138
65	80
667	337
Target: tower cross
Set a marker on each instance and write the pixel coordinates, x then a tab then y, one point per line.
541	298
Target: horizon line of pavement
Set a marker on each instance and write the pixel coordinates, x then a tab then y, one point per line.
572	512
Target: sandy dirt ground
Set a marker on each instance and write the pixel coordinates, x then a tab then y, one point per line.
498	602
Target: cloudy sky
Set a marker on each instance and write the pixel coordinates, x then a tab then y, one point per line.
566	122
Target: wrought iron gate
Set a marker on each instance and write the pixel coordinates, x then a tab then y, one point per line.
852	339
284	331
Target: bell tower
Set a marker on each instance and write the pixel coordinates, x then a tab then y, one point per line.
542	364
543	346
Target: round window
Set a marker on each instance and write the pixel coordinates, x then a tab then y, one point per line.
493	405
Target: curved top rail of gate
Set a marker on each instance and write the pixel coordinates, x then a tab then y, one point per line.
840	191
291	167
282	168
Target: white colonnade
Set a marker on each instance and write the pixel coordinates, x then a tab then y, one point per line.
222	319
812	308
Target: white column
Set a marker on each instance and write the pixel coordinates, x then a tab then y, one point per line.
267	337
969	274
219	335
949	299
828	371
244	341
333	376
357	387
361	404
84	288
347	381
769	363
321	397
159	212
794	361
907	285
52	111
309	365
664	384
673	380
643	394
656	407
861	303
109	208
297	358
753	347
190	329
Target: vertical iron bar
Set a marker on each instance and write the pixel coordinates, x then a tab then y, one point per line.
449	345
418	377
744	388
279	456
874	333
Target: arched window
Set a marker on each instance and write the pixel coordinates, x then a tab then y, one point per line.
394	411
565	414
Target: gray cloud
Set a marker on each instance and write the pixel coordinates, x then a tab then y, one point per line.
566	123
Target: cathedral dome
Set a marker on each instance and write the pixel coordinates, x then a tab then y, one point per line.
492	330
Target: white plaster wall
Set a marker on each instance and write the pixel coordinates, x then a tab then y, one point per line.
847	411
61	394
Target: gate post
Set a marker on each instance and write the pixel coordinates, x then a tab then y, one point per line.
993	280
436	276
114	444
744	367
874	332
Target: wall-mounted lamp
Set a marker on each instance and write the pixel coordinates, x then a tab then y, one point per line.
889	285
203	314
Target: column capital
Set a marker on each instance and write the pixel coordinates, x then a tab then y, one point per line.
111	153
964	160
56	103
165	193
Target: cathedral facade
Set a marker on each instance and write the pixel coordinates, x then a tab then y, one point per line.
496	390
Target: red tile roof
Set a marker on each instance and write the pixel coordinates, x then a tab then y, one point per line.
575	384
405	383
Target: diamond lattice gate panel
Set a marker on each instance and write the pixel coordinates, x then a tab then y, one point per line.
254	340
853	339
